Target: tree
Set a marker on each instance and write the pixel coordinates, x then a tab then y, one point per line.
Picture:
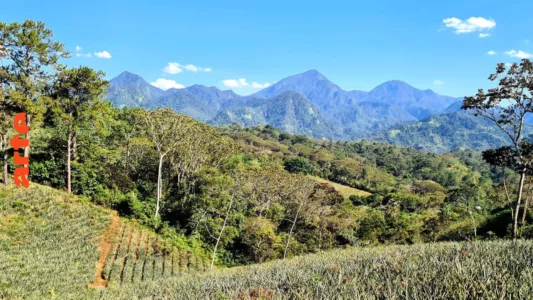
30	53
215	201
6	119
165	129
302	189
507	106
76	94
467	196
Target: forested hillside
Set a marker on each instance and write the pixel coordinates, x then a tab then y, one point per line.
446	132
202	197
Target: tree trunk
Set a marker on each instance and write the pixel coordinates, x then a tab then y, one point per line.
220	234
74	144
473	223
4	150
526	204
292	228
518	200
69	146
159	184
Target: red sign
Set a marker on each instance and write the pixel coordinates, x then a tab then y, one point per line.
21	175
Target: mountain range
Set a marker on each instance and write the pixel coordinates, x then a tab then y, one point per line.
310	104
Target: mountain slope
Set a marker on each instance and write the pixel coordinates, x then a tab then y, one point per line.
52	245
198	101
128	89
358	112
340	114
288	111
443	133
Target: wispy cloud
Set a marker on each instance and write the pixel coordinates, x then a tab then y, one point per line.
469	25
438	82
166	84
491	52
102	54
235	83
518	54
256	85
484	35
176	68
79	52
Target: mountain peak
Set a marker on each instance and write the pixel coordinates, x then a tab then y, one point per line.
396	84
126	76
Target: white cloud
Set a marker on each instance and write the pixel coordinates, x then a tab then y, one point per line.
484	35
176	68
103	54
235	83
172	68
256	85
166	84
438	82
469	25
243	82
81	54
231	83
491	52
518	54
508	64
191	68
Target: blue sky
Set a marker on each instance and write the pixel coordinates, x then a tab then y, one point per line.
356	44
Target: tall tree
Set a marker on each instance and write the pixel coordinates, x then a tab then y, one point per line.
6	119
30	53
165	129
302	189
507	106
76	100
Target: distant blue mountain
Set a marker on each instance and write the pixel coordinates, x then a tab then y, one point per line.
359	112
338	113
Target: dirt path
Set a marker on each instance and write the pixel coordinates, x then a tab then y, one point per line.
104	248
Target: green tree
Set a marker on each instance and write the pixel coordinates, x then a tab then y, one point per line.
76	100
507	106
6	119
165	130
31	53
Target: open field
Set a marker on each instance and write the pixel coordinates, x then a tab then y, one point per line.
476	270
53	245
345	191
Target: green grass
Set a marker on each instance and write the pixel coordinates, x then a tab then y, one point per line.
48	243
473	270
345	191
49	247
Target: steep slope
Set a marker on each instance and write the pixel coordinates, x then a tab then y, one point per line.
357	112
420	104
443	133
342	114
316	87
128	89
52	245
197	101
288	111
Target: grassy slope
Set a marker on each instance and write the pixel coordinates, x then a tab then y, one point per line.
51	243
344	190
48	243
478	270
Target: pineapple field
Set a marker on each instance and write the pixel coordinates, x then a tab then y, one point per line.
54	246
